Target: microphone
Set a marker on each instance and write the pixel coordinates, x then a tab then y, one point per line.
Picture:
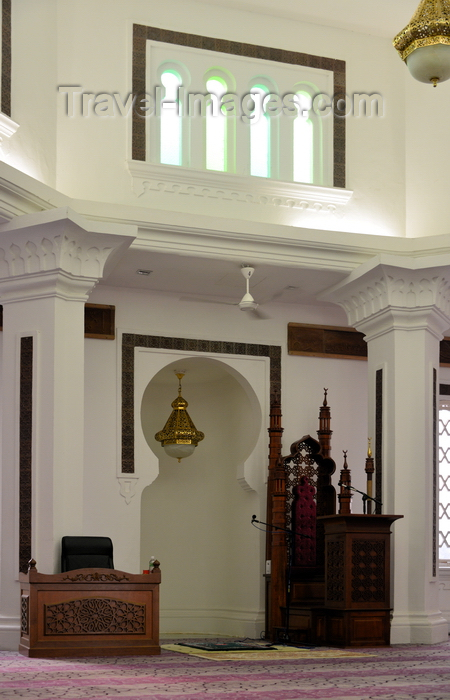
254	519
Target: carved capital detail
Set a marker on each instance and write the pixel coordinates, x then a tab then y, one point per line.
395	295
54	252
76	257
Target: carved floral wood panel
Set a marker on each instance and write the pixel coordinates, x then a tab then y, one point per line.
95	616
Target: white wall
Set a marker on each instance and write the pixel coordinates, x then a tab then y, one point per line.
186	515
396	165
427	157
58	42
196	516
33	101
94	52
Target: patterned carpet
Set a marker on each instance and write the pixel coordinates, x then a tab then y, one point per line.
398	673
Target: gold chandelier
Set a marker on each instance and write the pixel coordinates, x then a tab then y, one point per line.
179	437
424	44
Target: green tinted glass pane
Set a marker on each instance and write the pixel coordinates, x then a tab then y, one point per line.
170	131
216	128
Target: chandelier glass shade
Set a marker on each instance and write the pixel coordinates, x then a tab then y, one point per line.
424	44
179	437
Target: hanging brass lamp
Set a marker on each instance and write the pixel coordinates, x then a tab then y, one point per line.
424	44
179	437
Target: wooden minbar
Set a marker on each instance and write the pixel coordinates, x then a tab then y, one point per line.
329	580
89	612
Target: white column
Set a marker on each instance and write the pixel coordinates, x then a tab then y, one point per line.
49	263
403	309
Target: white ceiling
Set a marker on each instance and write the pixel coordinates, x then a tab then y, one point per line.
378	17
220	281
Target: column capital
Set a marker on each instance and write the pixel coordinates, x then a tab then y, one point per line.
57	253
395	292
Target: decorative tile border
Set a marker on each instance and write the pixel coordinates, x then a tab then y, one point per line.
6	58
378	438
133	340
25	450
141	34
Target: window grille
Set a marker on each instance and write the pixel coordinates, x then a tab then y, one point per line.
444	482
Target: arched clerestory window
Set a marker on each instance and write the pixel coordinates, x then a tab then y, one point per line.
216	146
302	140
260	133
219	121
171	132
264	128
307	147
207	117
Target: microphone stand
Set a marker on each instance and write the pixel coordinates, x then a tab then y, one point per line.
275	527
291	536
365	496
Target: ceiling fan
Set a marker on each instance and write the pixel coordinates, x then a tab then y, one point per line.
247	303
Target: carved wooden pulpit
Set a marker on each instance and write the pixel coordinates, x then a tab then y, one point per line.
330	580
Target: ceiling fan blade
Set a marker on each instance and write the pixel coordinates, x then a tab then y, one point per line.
260	315
202	300
255	313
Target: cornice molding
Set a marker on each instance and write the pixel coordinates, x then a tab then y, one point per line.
8	127
21	194
24	200
41	285
150	178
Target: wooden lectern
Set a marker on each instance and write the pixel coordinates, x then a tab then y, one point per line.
89	612
357	580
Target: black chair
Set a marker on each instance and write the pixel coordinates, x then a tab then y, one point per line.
86	552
